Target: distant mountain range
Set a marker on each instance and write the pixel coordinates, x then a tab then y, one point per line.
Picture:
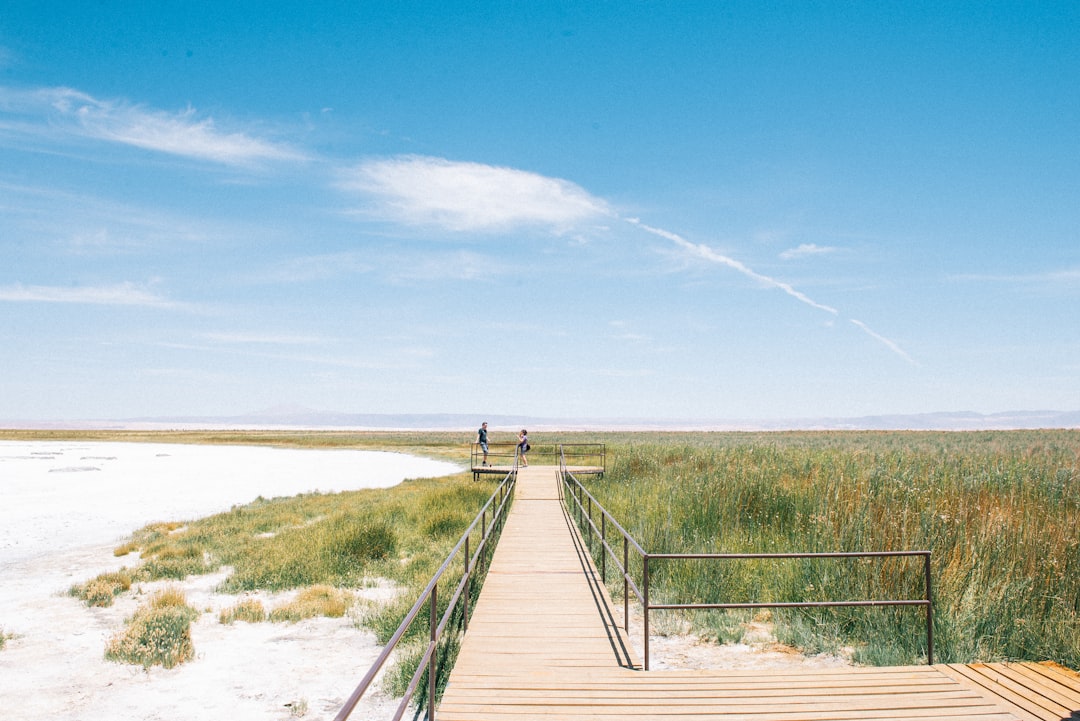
283	417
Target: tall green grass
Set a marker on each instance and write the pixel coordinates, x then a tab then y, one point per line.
340	539
1000	513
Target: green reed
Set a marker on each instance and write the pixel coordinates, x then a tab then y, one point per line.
999	511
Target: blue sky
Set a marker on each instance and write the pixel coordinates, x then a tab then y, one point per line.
565	209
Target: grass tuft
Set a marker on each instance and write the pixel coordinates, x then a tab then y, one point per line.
311	602
159	634
249	610
125	548
101	591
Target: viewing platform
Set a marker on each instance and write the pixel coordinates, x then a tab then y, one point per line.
581	459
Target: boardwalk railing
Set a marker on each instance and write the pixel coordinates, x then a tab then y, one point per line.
500	455
584	507
580	458
488	522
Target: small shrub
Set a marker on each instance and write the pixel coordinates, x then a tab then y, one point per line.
158	634
446	523
125	548
101	591
250	610
315	601
174	562
350	542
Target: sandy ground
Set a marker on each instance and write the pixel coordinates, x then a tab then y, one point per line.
672	646
66	505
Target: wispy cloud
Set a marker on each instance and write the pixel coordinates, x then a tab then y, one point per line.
1066	275
461	265
96	224
128	294
264	339
398	266
261	350
806	249
311	268
459	196
621	330
65	112
707	253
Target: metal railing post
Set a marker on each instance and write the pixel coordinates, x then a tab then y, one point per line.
929	612
468	588
603	548
626	583
483	539
645	607
433	661
580	508
590	520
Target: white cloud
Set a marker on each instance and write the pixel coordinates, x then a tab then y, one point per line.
806	249
120	294
459	196
47	111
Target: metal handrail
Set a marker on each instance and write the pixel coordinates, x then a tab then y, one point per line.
497	504
505	450
584	503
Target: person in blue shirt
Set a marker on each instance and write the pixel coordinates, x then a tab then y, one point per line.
481	438
523	446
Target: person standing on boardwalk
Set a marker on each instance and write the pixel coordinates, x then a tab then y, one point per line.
481	438
523	446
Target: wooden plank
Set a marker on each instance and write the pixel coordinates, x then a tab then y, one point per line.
1047	691
1032	700
1043	675
1014	702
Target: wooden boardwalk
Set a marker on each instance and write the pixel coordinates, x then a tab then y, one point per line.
544	643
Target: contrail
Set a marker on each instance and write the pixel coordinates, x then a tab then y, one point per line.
704	251
708	253
888	343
